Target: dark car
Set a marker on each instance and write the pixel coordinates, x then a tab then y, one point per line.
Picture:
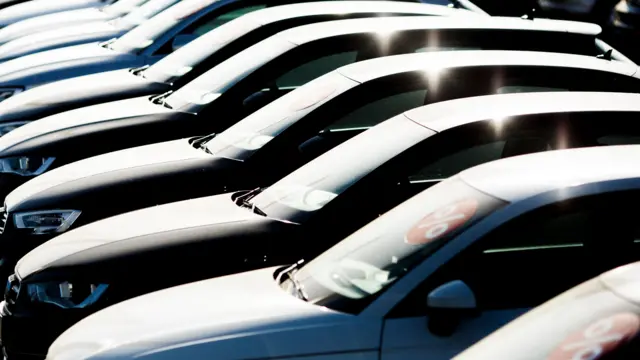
598	319
195	58
304	213
283	135
261	73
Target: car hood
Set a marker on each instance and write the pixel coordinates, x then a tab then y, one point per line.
64	123
51	21
34	8
59	38
242	316
46	66
172	217
117	163
71	93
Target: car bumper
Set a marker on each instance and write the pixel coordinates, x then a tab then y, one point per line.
29	335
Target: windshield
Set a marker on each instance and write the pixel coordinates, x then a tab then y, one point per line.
209	86
150	30
297	196
185	59
123	6
249	135
347	276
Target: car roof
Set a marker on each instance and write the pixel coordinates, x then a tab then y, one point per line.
284	12
453	113
439	60
515	178
312	32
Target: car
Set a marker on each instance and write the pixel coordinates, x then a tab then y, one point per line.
145	44
64	36
257	75
280	137
425	280
197	57
28	9
65	18
597	319
318	204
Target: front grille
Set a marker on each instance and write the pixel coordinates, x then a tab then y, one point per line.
3	219
12	289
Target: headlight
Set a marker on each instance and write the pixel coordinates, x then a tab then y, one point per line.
25	166
8	127
67	295
6	93
44	222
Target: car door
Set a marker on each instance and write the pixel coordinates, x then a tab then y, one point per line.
515	267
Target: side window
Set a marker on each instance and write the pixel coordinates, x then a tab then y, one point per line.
609	140
527	89
380	110
480	154
540	254
314	68
224	18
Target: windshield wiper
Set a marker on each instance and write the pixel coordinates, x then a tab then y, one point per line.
160	99
139	70
291	274
244	201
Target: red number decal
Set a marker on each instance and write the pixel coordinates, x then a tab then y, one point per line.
442	222
599	338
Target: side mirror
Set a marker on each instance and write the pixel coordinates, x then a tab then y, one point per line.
182	40
448	304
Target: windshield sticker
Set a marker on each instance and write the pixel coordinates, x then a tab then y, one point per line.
599	338
442	222
190	9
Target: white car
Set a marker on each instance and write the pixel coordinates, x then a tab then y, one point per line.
599	319
53	21
29	9
423	281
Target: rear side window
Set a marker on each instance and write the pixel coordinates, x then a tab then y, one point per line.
308	71
375	112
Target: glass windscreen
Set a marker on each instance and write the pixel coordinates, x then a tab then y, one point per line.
297	196
348	275
123	6
209	86
152	29
247	136
184	60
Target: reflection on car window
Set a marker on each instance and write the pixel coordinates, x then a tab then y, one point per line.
375	256
525	88
618	140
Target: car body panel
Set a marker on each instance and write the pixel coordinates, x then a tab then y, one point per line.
34	8
58	64
66	94
52	21
65	124
281	324
59	38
